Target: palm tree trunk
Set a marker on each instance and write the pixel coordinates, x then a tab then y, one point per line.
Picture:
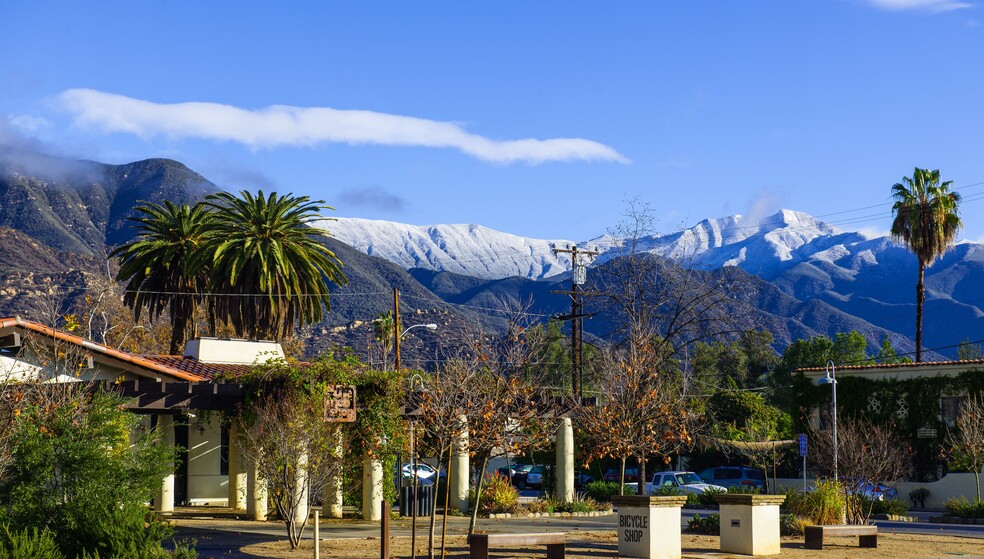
920	299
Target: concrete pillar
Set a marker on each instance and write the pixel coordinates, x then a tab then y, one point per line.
301	490
332	493
460	469
750	523
237	469
164	500
372	489
256	492
565	461
648	527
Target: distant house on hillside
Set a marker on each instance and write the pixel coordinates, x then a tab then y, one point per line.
173	393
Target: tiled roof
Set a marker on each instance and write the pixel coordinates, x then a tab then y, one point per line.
925	364
207	371
129	359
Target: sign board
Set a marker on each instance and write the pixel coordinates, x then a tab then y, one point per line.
802	441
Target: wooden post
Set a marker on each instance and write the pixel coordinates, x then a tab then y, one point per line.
384	528
396	325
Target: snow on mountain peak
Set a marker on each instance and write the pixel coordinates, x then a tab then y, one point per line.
756	244
460	248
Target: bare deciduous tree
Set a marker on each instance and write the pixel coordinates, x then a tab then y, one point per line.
867	453
966	442
291	440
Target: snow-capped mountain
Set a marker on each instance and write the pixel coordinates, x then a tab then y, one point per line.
761	246
470	250
871	278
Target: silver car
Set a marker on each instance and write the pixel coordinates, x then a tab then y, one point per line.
685	482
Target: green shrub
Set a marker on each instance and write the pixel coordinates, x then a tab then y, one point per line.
75	471
28	544
825	504
705	499
601	491
668	491
745	490
960	506
795	503
918	497
586	504
184	549
792	525
498	496
710	525
889	506
540	505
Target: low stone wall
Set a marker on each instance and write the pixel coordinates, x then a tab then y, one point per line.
951	485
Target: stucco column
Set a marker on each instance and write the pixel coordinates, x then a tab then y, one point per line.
301	490
237	470
164	500
256	492
565	461
372	488
332	493
459	474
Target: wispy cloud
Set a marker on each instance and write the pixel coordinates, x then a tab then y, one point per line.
374	197
934	6
281	125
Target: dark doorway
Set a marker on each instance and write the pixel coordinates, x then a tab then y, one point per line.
181	471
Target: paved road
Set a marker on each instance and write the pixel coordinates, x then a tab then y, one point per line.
220	537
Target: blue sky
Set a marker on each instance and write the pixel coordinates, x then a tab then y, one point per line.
536	118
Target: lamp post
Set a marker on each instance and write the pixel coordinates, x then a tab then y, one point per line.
832	381
404	333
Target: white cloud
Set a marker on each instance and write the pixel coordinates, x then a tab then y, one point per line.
27	123
926	5
281	125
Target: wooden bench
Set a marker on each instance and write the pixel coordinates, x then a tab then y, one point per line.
867	535
556	543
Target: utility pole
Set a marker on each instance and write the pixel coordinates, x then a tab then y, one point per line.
578	277
396	325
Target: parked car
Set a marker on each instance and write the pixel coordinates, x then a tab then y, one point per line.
878	491
581	479
426	475
685	482
734	476
518	473
534	478
612	474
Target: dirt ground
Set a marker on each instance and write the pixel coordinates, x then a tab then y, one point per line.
593	545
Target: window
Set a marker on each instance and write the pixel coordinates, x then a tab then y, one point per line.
950	409
727	473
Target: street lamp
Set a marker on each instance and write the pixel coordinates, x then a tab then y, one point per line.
404	333
832	381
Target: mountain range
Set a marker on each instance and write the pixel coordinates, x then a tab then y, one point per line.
59	218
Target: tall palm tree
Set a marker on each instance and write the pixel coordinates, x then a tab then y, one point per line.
926	220
166	266
269	266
